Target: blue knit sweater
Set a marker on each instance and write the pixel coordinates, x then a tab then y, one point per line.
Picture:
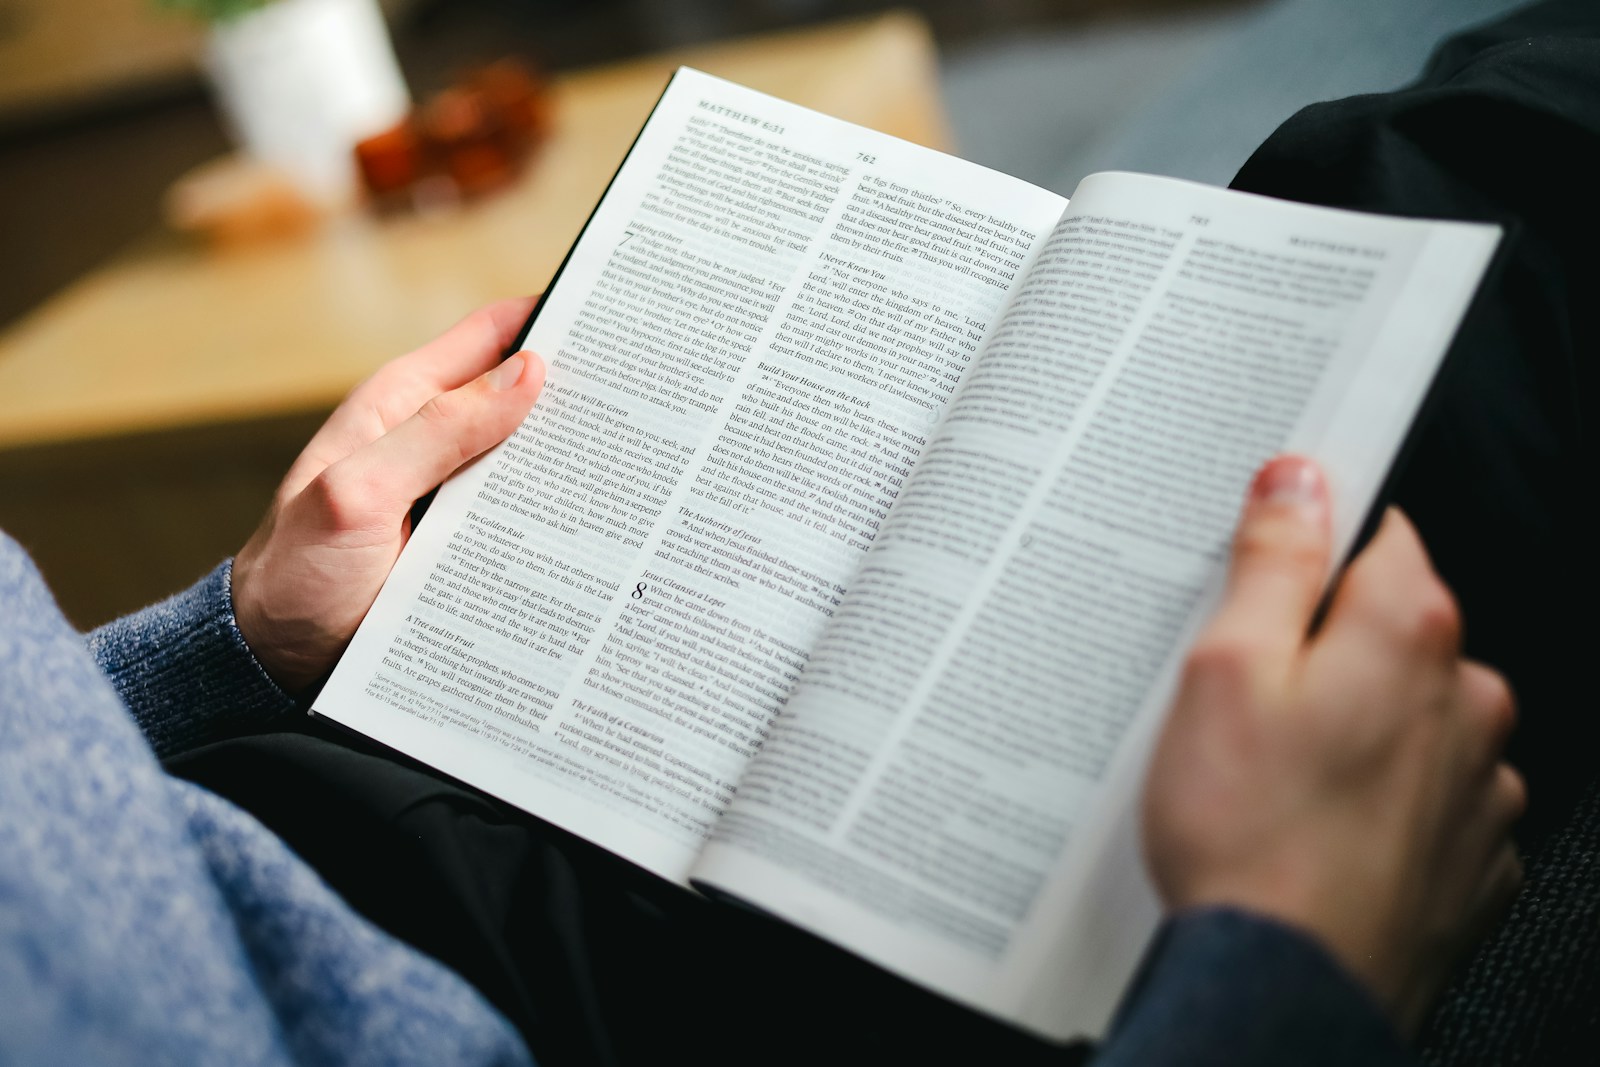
144	920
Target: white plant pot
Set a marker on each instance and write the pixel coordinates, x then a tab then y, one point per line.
301	81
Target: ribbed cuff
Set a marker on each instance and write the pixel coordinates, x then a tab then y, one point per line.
1226	987
183	668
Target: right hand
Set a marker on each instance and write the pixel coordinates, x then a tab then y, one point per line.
1348	783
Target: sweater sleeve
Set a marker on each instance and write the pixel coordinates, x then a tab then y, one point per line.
185	672
1225	987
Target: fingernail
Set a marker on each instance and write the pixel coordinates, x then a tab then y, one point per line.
1292	480
508	373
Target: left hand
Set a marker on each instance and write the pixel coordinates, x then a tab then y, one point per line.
307	576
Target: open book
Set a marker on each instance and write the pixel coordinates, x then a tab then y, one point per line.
848	559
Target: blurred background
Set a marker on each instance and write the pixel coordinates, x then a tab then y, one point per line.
176	318
102	105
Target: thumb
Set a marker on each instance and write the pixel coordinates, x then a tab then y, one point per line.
1280	557
446	432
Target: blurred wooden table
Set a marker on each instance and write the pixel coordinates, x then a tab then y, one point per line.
147	412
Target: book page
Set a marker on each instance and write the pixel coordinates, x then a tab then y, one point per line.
952	791
746	349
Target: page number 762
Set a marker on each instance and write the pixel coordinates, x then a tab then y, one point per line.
863	157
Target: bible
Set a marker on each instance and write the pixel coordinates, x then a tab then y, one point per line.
849	558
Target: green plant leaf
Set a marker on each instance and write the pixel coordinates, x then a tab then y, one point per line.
212	10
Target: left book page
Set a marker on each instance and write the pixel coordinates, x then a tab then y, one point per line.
599	620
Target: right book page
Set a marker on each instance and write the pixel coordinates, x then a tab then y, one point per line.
952	790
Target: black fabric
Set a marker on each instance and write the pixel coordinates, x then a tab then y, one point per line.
1504	126
593	959
1532	994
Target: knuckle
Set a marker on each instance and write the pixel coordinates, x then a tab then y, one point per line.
440	410
342	496
1220	662
480	326
445	417
1251	540
1392	582
326	495
1434	618
1490	694
1511	790
1305	554
1280	545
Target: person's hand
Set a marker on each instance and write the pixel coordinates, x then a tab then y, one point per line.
1348	783
310	572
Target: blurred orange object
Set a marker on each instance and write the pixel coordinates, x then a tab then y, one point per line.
237	199
522	98
467	134
390	161
471	139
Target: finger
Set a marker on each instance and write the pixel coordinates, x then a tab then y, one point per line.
1500	797
1508	796
1491	707
1391	599
382	479
1280	559
399	388
466	350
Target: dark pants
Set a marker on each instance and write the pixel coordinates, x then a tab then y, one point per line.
1500	477
597	961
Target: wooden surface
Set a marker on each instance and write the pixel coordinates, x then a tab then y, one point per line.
147	413
177	336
